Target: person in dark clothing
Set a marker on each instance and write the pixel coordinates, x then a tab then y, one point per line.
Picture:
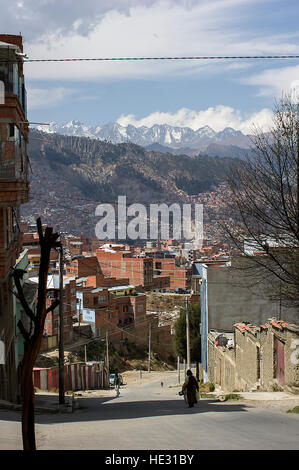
190	387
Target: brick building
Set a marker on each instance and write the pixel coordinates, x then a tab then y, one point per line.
82	266
14	191
179	276
113	307
117	264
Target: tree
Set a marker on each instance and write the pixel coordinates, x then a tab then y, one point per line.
194	333
33	338
264	204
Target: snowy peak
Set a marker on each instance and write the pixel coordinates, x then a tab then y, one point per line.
163	134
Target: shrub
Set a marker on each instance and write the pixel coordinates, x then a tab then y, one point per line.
232	396
294	410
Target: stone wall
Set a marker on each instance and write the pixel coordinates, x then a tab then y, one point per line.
254	362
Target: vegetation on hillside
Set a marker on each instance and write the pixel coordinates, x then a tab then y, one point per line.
103	170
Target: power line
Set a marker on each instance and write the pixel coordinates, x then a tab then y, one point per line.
117	329
173	58
97	59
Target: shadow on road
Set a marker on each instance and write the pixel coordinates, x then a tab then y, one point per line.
111	408
107	408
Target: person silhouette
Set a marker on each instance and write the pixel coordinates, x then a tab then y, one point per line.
190	387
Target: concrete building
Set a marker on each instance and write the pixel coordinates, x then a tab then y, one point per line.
233	296
14	191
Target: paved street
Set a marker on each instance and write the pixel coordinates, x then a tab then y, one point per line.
152	417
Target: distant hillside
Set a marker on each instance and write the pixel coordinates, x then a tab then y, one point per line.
211	150
101	170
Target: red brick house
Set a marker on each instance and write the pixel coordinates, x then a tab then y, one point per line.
139	271
83	267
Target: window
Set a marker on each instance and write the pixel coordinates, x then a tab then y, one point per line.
14	222
7	226
11	129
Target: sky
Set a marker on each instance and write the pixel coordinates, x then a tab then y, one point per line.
222	93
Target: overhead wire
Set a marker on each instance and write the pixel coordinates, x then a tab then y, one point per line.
217	57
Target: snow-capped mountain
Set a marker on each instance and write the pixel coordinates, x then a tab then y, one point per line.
163	134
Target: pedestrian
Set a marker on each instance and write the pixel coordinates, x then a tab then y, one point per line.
190	389
162	384
116	383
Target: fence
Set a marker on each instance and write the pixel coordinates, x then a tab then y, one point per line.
79	376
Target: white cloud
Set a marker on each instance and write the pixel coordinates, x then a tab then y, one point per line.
217	118
149	28
274	81
39	98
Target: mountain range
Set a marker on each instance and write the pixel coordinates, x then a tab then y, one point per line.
168	139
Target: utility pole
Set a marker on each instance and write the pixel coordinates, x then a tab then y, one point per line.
61	325
179	370
107	352
149	346
79	315
187	334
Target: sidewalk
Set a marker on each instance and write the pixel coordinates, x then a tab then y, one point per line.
45	403
283	401
270	396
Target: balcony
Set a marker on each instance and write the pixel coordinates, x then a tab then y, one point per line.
14	184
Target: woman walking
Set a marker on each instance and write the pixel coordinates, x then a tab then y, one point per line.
190	387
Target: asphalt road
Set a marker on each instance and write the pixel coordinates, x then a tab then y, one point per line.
154	418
